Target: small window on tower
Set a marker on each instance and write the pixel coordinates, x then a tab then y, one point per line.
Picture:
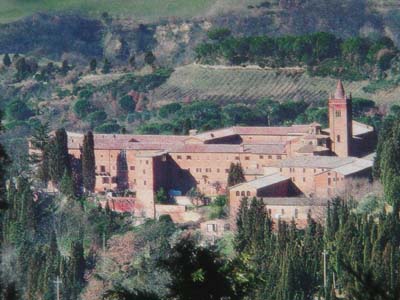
338	138
338	114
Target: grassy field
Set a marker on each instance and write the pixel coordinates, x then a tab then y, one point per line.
144	9
195	82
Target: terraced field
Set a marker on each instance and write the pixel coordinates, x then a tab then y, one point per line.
238	84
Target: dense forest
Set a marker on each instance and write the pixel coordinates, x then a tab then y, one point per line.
66	235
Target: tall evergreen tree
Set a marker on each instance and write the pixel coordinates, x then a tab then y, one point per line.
88	162
93	65
6	60
236	174
106	66
67	185
4	161
76	268
59	161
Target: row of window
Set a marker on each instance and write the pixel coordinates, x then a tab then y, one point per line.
209	170
243	193
292	170
294	179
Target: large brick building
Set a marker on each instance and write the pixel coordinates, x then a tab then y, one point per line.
299	160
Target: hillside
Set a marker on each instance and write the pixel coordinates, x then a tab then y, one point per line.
237	84
172	29
148	10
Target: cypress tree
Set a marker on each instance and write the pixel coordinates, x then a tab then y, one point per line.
88	162
6	60
4	161
93	65
235	175
67	186
59	161
76	268
106	66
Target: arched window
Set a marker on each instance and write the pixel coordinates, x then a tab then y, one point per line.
237	193
248	193
243	194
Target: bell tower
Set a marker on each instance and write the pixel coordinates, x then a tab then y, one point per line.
340	122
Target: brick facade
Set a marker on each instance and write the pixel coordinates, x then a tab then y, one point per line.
146	163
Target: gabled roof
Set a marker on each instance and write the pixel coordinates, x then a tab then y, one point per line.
294	201
319	162
354	167
252	130
261	182
358	128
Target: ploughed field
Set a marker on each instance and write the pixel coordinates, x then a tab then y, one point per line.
238	84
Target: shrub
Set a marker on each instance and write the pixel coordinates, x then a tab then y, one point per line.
97	118
166	110
18	110
85	93
218	34
127	103
82	108
109	127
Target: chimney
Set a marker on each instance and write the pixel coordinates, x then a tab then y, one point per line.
192	132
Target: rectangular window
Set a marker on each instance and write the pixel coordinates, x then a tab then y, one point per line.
279	157
261	156
212	227
102	169
338	138
338	114
329	181
179	157
132	168
144	182
247	158
237	157
114	179
217	170
226	170
106	180
188	157
304	179
269	156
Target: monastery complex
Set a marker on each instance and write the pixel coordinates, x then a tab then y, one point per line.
295	169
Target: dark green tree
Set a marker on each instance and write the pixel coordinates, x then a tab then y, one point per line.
88	163
65	67
236	174
59	160
67	186
106	66
93	65
132	60
6	60
149	58
197	272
